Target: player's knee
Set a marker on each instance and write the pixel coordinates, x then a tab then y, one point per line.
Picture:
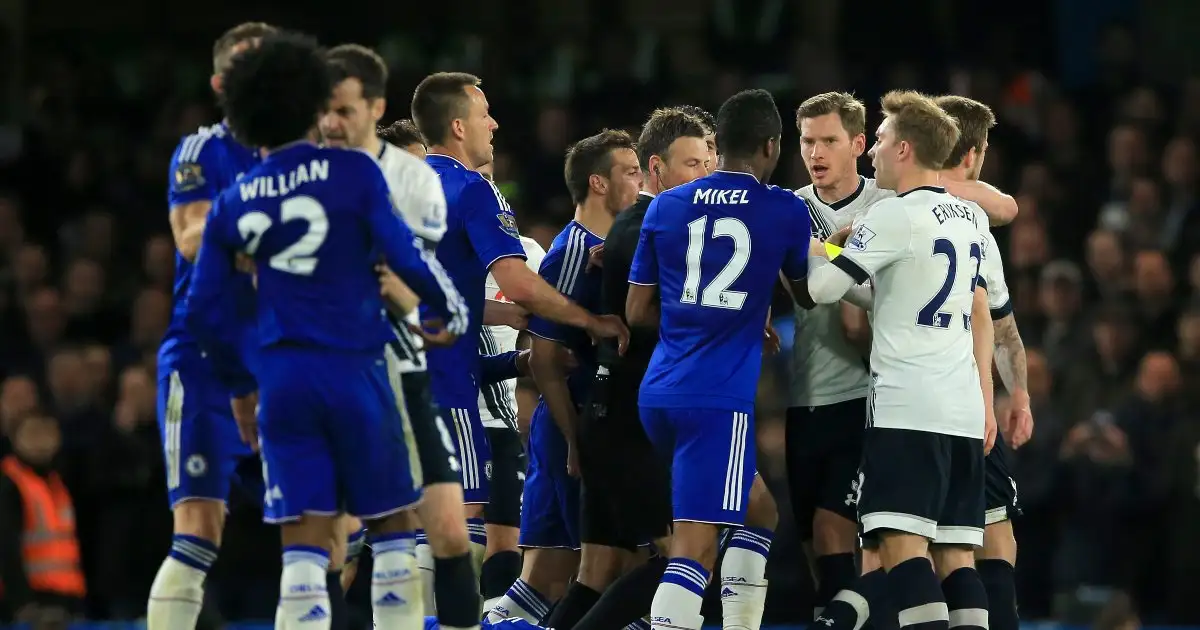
599	566
870	560
697	541
761	510
201	518
898	546
311	530
949	558
549	570
502	538
473	511
999	543
446	532
392	524
833	533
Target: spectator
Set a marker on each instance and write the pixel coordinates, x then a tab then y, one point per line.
40	562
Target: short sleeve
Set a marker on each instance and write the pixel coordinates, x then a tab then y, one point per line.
563	268
644	269
881	238
991	278
422	202
194	171
797	237
490	224
491	289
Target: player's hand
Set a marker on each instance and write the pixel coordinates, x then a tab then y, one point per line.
573	461
839	237
523	363
393	289
1018	424
596	256
816	249
771	341
434	332
607	327
515	318
989	431
245	412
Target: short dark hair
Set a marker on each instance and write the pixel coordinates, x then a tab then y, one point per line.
592	156
974	121
246	31
665	126
709	121
275	92
746	122
851	111
352	61
439	99
401	133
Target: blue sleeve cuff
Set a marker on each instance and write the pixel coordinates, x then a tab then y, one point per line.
495	368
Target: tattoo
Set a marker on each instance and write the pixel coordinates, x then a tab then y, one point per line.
1010	354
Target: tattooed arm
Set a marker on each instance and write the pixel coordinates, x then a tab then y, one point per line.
1011	364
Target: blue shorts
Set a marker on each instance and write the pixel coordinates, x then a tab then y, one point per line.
550	504
471	446
713	461
332	436
201	445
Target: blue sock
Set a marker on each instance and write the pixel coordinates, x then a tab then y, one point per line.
916	594
194	551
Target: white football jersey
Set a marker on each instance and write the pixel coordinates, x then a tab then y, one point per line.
922	251
991	273
418	199
498	401
826	369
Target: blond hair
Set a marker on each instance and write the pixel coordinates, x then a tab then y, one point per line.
916	119
850	110
974	121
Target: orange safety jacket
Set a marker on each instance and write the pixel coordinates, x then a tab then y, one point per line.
49	546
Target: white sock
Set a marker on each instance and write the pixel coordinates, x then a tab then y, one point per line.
280	621
425	569
679	596
178	590
477	533
303	598
521	601
396	583
743	579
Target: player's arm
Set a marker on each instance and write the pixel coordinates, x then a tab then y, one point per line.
493	234
406	255
983	338
191	189
501	367
208	317
643	305
497	313
546	362
880	239
1000	207
856	327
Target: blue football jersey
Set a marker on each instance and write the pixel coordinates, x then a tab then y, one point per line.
204	164
316	221
715	247
480	229
565	267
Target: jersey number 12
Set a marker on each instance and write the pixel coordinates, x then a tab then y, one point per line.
716	293
297	258
932	315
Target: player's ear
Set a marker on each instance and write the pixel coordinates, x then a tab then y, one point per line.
969	160
858	144
598	184
378	107
216	82
458	129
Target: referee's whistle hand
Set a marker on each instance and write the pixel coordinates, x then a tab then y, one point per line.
596	256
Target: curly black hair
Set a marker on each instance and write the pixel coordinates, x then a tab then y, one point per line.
275	92
746	121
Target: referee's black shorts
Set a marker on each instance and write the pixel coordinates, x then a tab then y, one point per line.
439	464
625	499
507	475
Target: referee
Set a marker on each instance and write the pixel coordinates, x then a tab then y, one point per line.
626	499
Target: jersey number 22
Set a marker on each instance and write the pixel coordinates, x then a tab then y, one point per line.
297	258
716	294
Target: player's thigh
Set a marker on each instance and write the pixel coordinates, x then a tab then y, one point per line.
375	452
902	481
542	522
201	444
824	449
1000	489
471	446
962	517
435	443
508	477
599	487
713	461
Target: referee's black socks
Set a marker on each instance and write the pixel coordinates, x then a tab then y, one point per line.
852	607
999	580
628	599
338	612
579	599
498	573
915	593
456	591
966	599
834	573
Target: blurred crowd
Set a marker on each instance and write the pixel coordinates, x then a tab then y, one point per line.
1103	263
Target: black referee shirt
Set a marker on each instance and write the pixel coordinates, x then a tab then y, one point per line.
619	248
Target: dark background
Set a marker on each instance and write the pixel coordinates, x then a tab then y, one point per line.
1099	110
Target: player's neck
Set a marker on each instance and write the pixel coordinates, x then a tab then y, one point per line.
916	179
455	152
373	145
738	165
843	188
957	174
593	215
